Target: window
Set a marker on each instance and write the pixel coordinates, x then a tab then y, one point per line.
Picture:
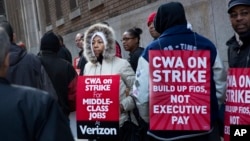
73	4
58	9
2	10
94	3
47	15
74	9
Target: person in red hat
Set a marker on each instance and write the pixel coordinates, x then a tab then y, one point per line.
151	28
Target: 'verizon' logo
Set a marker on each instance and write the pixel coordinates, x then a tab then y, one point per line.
98	130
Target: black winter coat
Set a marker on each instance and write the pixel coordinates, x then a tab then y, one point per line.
64	53
28	114
25	68
63	77
238	56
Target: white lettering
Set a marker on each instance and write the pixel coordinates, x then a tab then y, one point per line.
97	88
240	132
179	98
238	96
92	81
179	119
98	130
179	109
179	76
103	101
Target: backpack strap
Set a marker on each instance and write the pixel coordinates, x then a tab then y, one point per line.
47	84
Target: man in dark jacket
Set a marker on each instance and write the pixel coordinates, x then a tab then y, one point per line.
25	68
239	44
60	71
176	41
238	60
27	114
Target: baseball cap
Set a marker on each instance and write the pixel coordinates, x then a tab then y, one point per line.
233	3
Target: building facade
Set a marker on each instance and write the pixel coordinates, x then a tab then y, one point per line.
32	18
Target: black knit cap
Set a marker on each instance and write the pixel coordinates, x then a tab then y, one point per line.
50	42
233	3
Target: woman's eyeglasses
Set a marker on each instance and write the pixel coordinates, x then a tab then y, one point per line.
126	39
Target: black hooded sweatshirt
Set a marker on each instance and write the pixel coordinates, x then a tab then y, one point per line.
168	15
